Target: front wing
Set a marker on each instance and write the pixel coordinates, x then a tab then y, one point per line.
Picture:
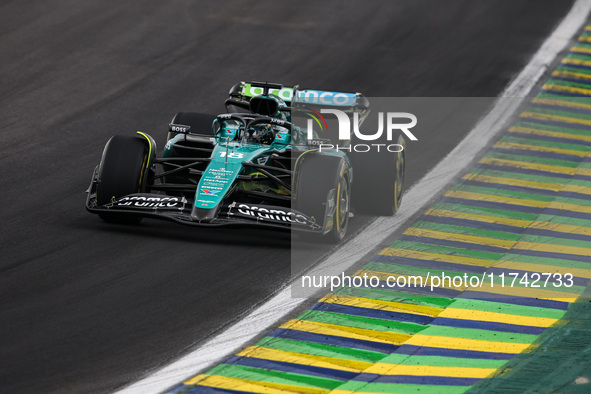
178	209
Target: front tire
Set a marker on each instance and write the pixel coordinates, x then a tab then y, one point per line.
121	172
318	177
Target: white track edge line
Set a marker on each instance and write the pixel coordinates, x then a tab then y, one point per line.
281	304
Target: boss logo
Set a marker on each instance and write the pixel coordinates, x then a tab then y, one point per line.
318	142
177	128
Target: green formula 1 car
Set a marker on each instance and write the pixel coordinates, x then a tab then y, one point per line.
251	166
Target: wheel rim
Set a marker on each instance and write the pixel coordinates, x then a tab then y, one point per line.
343	205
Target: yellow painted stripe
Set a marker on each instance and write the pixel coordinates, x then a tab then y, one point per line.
580	50
566	119
577	189
583	171
304	359
518	201
543	268
466	344
563	228
427	370
492	198
348	332
515	182
531	184
576	250
252	386
446	258
568	89
473	239
562	103
577	62
570	74
551	226
508	145
477	217
528	165
382	305
584	39
569	207
470	314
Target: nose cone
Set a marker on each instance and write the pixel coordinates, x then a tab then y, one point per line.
204	215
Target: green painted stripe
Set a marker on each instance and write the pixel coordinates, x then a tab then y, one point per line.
293	345
566	68
401	269
555	241
562	113
448	228
577	56
396	296
574	99
441	361
565	220
581	45
559	82
533	178
532	141
368	323
400	388
502	193
269	375
570	200
475	333
532	159
485	211
508	309
552	262
553	128
422	247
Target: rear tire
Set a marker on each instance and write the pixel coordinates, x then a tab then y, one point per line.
378	181
318	175
121	172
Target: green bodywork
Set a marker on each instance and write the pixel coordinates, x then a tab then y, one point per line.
229	159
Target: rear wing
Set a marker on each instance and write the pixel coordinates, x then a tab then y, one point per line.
294	97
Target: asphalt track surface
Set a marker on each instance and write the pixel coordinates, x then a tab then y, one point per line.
89	307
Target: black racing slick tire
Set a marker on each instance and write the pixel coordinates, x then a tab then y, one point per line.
200	123
121	172
378	181
318	177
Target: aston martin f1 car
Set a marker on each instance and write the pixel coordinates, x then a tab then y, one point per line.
253	165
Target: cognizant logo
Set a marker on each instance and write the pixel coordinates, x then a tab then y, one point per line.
387	122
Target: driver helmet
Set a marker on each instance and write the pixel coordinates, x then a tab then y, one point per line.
261	133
